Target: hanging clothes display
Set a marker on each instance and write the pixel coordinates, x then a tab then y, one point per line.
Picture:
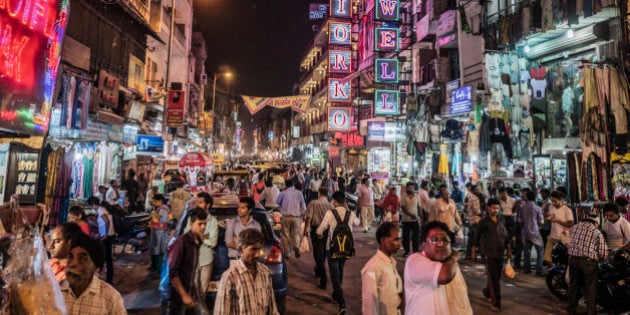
620	172
443	160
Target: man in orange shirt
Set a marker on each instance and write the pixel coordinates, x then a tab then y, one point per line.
59	248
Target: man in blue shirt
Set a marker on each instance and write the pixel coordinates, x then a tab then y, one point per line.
292	206
530	218
457	195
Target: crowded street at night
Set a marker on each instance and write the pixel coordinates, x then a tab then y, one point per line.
375	157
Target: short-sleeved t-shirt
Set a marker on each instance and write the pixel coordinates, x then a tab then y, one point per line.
558	231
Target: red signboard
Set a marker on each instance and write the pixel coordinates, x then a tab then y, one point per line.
175	109
32	32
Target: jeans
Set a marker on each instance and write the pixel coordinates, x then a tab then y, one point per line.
539	256
319	254
335	266
411	230
494	266
109	262
582	278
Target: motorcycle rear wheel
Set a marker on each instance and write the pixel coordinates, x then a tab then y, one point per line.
557	285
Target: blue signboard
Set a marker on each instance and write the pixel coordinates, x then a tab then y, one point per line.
376	130
461	100
339	61
147	143
341	8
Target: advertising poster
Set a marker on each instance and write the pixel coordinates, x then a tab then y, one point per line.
378	163
149	144
175	109
31	48
376	131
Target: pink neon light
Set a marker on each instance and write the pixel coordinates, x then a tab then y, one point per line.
388	6
388	39
384	74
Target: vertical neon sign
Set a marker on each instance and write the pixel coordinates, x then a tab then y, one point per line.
386	39
339	33
339	61
386	102
386	70
339	118
387	10
339	91
340	8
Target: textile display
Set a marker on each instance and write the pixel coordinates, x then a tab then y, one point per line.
620	172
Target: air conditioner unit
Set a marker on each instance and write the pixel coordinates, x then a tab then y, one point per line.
607	51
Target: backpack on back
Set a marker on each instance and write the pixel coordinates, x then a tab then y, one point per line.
342	242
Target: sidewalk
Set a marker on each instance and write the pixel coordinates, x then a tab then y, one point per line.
135	284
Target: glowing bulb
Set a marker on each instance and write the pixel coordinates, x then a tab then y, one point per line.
570	33
526	49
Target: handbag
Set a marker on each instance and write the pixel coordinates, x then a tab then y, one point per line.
508	270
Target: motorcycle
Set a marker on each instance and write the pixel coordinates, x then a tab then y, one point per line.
613	279
133	230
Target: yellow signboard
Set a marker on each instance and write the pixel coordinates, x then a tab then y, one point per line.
298	103
217	159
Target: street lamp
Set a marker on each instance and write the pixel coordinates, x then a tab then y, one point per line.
228	75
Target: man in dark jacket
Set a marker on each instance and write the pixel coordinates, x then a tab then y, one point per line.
492	236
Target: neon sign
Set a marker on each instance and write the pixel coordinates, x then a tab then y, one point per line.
386	70
339	33
31	32
386	102
340	8
339	61
339	118
387	10
339	91
386	39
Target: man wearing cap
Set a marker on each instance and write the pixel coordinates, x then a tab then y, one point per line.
83	292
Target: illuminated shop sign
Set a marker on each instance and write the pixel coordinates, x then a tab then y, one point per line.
386	70
340	8
394	132
339	119
339	33
386	39
387	10
339	91
386	102
376	131
317	11
150	144
32	32
339	61
461	100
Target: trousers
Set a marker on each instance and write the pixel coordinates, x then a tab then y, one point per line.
582	278
411	231
290	234
319	255
367	215
494	266
335	266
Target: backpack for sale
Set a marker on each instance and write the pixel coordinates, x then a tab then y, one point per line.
342	243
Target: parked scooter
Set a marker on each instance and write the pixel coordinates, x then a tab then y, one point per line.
613	280
133	230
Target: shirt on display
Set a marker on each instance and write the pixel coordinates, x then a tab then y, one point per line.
538	88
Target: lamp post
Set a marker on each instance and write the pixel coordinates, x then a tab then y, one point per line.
227	74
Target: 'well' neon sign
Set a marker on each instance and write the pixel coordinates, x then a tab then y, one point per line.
339	91
386	102
386	70
339	33
386	39
31	32
339	61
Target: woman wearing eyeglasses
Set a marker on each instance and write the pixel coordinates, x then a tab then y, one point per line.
433	282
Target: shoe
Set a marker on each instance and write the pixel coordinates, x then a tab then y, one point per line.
495	308
297	253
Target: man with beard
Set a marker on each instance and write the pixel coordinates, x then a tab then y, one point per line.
83	292
246	287
433	282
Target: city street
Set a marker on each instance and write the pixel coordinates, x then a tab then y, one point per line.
525	294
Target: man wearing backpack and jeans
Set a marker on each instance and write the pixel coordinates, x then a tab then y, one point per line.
340	244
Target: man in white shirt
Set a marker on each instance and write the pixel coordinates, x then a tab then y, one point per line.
445	210
561	219
433	282
616	228
381	285
269	196
335	265
112	193
410	209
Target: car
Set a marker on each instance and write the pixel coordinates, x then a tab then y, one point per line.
225	209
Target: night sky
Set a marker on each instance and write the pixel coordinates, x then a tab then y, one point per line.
261	40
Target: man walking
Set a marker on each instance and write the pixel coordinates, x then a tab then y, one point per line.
561	218
381	285
410	208
183	260
366	204
587	247
492	237
246	287
291	202
315	213
445	210
473	213
335	265
269	196
530	217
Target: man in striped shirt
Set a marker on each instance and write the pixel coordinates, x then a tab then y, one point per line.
246	287
587	247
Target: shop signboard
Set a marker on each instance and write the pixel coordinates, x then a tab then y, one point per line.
341	8
386	70
387	10
447	23
175	108
339	91
394	132
136	111
386	39
130	133
339	118
4	163
339	61
450	86
339	33
461	100
32	35
115	133
135	78
317	11
386	102
149	144
108	86
376	131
